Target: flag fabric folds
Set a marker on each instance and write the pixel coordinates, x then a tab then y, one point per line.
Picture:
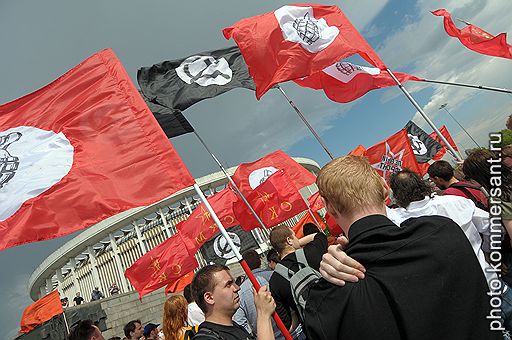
41	311
315	202
249	175
199	227
344	82
180	83
307	218
171	121
80	150
476	39
446	134
423	146
392	155
178	285
217	250
275	200
296	41
165	263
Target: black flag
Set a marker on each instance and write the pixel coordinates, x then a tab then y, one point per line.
218	251
171	121
180	83
423	146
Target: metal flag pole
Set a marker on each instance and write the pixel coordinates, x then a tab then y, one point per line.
237	189
481	87
443	107
299	113
66	322
244	265
424	115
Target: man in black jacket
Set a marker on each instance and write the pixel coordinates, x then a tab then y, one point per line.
422	279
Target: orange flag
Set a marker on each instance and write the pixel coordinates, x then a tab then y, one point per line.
41	311
298	227
358	151
179	285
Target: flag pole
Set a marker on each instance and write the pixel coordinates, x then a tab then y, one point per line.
238	256
65	322
481	87
424	115
237	189
299	113
443	107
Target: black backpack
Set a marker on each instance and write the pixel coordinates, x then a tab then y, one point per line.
464	188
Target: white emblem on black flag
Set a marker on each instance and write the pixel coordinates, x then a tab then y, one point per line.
423	146
205	71
217	250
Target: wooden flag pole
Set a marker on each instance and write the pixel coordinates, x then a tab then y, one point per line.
238	256
424	115
480	87
299	113
233	184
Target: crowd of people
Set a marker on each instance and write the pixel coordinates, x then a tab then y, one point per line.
429	264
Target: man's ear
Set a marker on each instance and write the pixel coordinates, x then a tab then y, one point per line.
387	189
208	298
330	208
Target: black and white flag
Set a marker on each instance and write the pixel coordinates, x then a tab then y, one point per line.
423	146
217	250
180	83
171	121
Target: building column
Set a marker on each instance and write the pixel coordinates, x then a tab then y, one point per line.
140	238
42	291
60	280
76	285
49	285
119	264
94	267
164	221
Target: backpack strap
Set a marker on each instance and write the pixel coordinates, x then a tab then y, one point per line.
301	257
465	189
208	334
286	272
283	271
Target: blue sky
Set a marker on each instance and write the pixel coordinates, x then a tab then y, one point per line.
43	39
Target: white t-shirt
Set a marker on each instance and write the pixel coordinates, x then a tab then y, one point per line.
195	314
472	220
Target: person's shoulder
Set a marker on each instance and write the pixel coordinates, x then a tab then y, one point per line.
433	221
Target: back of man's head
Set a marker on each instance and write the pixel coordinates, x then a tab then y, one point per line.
204	281
279	237
350	184
252	258
309	229
84	330
272	256
407	187
130	327
187	293
441	169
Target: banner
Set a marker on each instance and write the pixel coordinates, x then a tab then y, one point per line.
217	250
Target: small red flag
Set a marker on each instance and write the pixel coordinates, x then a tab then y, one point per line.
307	218
200	226
80	150
333	225
358	151
178	285
344	82
446	134
168	261
296	41
41	311
392	155
249	175
275	200
315	202
476	39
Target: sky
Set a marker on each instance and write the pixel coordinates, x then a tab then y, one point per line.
43	39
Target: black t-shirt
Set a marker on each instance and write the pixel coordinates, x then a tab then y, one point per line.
280	287
235	332
78	300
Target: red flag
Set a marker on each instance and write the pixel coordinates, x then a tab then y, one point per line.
315	202
167	262
392	155
200	227
179	285
275	200
333	225
249	175
307	218
344	82
79	150
296	41
446	134
41	311
358	151
476	39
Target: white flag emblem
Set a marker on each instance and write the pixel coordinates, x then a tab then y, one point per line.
299	25
259	176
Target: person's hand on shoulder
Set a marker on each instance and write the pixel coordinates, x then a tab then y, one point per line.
337	267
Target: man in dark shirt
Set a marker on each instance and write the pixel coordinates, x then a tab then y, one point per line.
422	279
285	242
216	293
78	299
